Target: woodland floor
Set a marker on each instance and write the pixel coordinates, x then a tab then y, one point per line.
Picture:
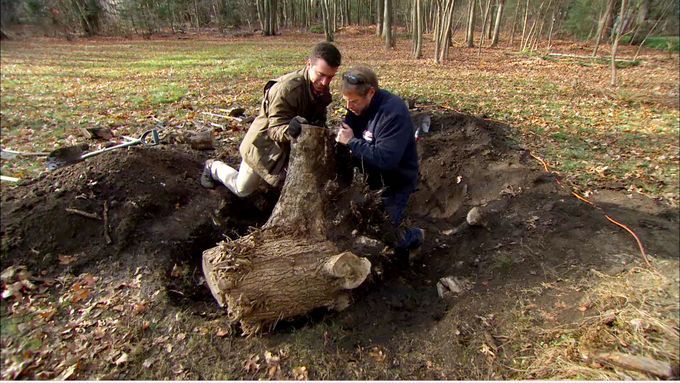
540	282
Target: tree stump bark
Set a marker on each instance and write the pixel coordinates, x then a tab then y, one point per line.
293	264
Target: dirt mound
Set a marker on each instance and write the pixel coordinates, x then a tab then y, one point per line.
138	202
536	232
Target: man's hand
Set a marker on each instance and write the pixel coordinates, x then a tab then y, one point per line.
295	126
345	133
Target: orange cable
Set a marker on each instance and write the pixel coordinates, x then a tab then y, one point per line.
637	239
582	198
630	231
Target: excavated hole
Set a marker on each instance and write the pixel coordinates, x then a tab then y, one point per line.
184	281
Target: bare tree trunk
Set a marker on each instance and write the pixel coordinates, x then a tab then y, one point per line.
527	43
489	26
541	17
198	23
334	17
438	9
524	25
497	26
550	32
379	17
484	21
602	26
417	29
387	27
448	31
469	35
617	37
260	13
443	33
514	24
325	15
431	16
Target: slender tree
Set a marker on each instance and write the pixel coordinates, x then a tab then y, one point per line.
524	24
326	19
514	23
617	36
379	17
387	25
550	32
497	25
443	32
602	25
484	21
469	34
417	29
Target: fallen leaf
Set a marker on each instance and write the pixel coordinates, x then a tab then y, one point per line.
8	274
271	358
66	259
89	280
178	369
223	332
47	314
300	373
548	316
122	359
250	364
377	354
486	350
148	362
99	332
139	308
68	372
273	366
585	306
273	371
80	294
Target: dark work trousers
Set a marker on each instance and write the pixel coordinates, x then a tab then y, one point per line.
395	202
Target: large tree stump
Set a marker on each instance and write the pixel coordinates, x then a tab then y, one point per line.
293	264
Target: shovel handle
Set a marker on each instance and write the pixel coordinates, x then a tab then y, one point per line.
144	139
155	138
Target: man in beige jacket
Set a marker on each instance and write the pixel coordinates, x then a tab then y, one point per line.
291	100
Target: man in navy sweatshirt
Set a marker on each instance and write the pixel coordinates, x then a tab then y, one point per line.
379	133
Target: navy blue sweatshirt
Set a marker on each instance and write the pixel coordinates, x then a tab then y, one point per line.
384	142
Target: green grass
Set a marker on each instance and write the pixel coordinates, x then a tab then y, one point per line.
663	43
167	94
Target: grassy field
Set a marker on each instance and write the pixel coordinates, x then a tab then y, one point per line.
564	110
664	43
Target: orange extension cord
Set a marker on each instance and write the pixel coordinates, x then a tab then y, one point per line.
612	220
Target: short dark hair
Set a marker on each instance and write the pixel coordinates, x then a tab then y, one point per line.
328	52
359	79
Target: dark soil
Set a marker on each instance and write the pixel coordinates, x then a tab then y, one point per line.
398	327
158	215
